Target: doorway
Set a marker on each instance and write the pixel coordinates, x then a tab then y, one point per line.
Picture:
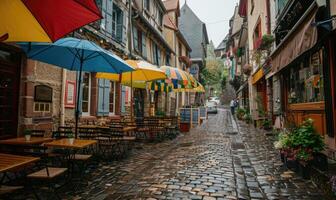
9	91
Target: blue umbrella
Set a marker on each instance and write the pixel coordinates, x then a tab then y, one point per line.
76	55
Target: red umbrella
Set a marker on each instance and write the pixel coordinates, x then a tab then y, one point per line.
44	20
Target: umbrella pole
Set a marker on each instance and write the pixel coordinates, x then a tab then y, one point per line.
131	96
78	96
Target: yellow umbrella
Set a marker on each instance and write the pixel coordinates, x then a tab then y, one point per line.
144	72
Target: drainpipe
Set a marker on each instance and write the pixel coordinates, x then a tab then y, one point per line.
268	10
62	112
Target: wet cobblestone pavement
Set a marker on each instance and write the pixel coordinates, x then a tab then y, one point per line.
218	160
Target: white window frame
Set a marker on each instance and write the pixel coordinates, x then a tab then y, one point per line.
114	99
89	97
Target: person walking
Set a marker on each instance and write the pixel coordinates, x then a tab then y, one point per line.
232	106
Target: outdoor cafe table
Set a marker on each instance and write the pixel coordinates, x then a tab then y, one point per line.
22	141
65	143
10	162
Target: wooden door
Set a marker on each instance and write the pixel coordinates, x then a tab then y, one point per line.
9	91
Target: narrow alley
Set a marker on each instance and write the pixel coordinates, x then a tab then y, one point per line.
219	160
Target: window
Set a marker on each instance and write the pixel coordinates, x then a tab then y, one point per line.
112	98
180	49
257	35
86	93
160	18
156	54
139	39
42	107
306	80
168	59
117	23
146	4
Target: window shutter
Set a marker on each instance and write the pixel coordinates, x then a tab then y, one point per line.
123	100
103	12
144	50
108	15
135	38
100	97
120	20
106	101
159	56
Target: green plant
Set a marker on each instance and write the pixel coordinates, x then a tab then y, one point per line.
71	135
160	113
302	142
27	132
267	42
267	123
247	117
240	113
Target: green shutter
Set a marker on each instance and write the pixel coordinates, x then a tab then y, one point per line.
135	38
120	21
106	101
144	49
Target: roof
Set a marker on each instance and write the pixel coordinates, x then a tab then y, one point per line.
222	45
168	22
171	5
194	31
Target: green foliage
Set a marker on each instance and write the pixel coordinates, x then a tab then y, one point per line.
247	117
267	123
302	142
240	113
27	132
260	109
160	113
236	82
71	135
266	42
305	136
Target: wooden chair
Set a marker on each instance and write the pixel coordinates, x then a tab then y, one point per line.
47	174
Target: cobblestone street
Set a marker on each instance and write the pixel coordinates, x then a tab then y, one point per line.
210	162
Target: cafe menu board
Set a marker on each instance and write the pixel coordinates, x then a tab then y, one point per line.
203	112
195	116
185	115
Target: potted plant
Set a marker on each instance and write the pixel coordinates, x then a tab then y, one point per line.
306	143
71	138
267	124
240	113
247	118
27	134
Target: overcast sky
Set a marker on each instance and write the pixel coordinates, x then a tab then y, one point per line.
216	14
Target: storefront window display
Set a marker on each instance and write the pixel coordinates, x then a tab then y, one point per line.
306	80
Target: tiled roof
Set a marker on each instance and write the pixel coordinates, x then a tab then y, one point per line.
171	4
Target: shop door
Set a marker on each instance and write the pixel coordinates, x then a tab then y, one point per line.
139	98
9	92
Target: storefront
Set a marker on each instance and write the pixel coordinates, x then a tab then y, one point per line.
260	97
10	70
298	64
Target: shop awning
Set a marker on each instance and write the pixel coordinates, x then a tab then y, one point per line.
298	42
257	76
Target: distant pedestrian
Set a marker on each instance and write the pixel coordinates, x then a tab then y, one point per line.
233	106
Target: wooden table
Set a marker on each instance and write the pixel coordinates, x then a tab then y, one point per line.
64	143
23	141
9	161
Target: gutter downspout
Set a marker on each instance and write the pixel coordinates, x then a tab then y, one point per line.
268	16
62	113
